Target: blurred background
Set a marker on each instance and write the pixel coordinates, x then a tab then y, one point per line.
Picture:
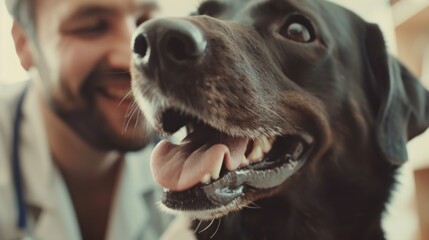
405	24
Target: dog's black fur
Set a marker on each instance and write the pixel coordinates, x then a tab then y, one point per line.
341	86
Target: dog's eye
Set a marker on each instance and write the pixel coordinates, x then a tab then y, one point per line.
298	32
298	28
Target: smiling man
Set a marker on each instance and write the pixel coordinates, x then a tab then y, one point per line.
75	159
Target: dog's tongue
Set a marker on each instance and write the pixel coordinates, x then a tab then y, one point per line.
180	167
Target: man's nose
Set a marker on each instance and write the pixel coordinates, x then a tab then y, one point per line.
169	42
120	52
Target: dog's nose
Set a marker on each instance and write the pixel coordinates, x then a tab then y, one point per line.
177	41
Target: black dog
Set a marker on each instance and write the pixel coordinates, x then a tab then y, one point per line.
292	106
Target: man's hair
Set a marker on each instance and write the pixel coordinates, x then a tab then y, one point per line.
23	12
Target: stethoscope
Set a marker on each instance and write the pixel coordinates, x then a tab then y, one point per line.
25	232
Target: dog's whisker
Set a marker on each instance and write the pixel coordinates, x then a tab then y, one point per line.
131	110
207	227
134	111
217	229
135	126
129	114
253	206
125	97
198	226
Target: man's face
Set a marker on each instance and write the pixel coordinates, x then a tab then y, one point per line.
83	56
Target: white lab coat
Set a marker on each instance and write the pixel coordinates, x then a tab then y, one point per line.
134	214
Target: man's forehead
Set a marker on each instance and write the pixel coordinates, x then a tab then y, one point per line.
72	5
98	2
13	5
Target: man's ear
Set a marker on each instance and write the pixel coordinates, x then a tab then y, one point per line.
402	103
22	45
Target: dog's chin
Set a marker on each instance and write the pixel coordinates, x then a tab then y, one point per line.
234	189
207	214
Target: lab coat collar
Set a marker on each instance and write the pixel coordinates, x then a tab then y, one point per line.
36	162
131	213
45	191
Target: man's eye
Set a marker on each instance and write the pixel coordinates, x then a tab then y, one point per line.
141	19
92	29
149	10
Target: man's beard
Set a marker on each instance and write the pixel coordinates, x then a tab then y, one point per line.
86	120
91	127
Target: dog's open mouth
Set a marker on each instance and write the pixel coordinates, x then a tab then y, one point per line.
211	170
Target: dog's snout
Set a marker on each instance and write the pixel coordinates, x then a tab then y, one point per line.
174	41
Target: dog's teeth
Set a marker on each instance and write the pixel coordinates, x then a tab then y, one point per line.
244	162
265	144
292	164
206	179
260	146
256	154
215	172
298	151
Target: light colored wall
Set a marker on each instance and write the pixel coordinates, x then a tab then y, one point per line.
10	69
375	11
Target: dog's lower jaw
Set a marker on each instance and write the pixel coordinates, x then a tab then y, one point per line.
301	210
274	219
210	214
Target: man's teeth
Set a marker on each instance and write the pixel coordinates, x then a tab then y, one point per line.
259	148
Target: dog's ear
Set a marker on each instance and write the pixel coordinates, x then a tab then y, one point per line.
401	102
